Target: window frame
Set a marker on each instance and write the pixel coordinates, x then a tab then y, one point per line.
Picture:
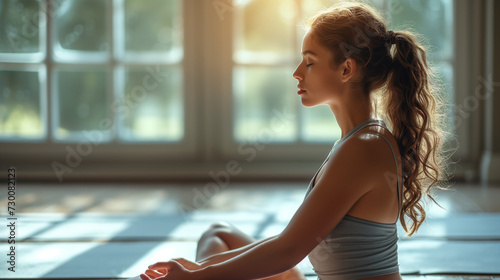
274	152
50	149
313	152
208	144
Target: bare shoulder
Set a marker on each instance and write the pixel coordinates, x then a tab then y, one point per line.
360	161
365	149
352	163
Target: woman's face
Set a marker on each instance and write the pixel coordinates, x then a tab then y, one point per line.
319	82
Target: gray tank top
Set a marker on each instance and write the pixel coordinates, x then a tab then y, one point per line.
357	248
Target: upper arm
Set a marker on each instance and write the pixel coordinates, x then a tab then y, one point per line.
346	179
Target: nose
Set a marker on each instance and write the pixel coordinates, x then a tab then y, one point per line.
297	74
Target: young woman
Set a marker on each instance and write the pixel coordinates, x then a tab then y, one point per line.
372	177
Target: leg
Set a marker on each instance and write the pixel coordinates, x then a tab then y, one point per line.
222	237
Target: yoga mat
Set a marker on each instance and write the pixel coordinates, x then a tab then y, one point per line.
91	259
128	259
87	227
450	257
460	226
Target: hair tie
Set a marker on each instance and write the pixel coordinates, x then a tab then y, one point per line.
391	37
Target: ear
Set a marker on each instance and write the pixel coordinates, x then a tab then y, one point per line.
348	68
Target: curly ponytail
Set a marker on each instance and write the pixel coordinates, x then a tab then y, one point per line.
412	109
394	65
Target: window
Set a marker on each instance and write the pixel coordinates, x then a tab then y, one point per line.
267	42
184	86
23	103
112	66
266	46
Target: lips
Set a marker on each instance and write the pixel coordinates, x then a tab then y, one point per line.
301	90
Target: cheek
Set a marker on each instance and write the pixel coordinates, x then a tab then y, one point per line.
324	82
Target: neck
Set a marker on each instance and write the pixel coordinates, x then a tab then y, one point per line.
352	112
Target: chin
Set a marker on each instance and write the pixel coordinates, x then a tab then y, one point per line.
308	103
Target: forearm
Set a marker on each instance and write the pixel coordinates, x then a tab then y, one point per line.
266	259
221	257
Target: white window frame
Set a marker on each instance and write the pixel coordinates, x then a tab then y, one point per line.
38	156
208	144
299	152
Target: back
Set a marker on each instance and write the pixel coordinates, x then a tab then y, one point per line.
357	248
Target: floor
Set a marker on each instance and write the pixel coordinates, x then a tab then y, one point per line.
164	199
167	198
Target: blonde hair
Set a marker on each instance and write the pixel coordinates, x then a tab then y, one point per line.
406	95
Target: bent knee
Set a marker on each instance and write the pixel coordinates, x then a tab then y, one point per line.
219	225
218	228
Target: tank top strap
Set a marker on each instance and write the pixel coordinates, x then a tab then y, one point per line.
359	127
399	191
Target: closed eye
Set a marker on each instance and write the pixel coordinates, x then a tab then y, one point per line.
307	65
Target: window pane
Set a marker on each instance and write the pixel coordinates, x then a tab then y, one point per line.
82	25
152	25
265	28
431	18
82	100
20	108
319	125
264	104
19	27
153	105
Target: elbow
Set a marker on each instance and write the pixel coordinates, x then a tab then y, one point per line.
291	253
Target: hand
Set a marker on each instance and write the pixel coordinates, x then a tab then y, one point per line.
167	271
